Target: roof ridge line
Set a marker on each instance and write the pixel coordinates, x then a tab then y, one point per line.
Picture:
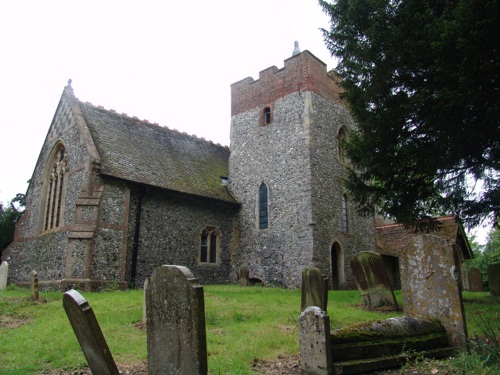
147	122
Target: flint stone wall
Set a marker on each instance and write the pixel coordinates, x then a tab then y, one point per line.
169	233
304	183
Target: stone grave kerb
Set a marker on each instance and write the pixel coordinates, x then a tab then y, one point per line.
176	330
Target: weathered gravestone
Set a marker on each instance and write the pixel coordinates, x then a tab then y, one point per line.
314	289
494	279
89	334
372	280
314	333
4	272
175	323
431	286
475	280
34	286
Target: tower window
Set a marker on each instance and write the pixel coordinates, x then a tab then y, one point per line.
55	189
345	214
209	246
267	116
263	209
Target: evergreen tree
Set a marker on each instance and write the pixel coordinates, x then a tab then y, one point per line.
421	79
9	216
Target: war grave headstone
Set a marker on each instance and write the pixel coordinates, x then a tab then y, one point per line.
4	273
176	333
494	279
34	286
372	280
430	285
315	350
89	334
475	280
314	289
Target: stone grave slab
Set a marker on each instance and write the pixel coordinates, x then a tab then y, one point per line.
494	279
89	334
372	280
4	273
314	289
431	285
175	310
475	280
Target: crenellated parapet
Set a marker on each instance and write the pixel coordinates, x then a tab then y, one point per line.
302	72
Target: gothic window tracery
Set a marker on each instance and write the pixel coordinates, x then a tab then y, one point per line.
54	193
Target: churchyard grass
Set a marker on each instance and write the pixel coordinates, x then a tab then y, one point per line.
244	324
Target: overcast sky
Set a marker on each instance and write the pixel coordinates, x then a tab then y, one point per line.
170	62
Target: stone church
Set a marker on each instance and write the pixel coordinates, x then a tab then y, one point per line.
113	197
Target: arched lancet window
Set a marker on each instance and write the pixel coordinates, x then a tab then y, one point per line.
55	183
210	246
337	266
263	207
345	214
342	138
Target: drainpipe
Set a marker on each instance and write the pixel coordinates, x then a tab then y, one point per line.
135	249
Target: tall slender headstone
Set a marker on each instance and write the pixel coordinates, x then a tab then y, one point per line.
175	323
4	273
431	285
34	286
315	346
372	280
314	289
89	334
494	279
475	280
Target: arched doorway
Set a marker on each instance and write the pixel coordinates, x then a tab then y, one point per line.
337	267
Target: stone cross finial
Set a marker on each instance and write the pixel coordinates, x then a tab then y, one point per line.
69	82
296	49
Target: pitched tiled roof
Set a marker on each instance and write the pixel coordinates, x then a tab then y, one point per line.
150	154
391	239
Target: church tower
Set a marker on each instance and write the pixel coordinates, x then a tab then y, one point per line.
286	168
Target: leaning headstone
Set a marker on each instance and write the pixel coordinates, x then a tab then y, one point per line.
314	334
372	280
494	279
34	286
145	287
431	285
4	272
176	330
244	276
475	280
314	289
89	334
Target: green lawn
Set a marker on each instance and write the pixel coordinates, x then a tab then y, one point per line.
243	324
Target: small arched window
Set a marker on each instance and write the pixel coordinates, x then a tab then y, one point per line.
209	246
263	206
342	139
267	116
55	183
345	214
